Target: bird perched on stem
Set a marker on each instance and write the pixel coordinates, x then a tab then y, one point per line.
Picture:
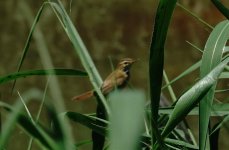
117	79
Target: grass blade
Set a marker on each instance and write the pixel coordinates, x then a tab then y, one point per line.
221	8
82	53
26	108
224	75
39	113
91	122
186	72
194	95
15	116
87	121
212	56
208	26
170	89
23	74
46	60
82	143
162	20
27	45
220	124
156	62
181	144
217	110
80	49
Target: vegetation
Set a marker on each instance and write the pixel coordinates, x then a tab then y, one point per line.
131	124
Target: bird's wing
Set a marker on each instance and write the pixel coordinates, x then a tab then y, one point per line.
115	79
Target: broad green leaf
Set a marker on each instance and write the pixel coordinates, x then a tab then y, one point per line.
126	121
23	74
194	95
212	56
156	60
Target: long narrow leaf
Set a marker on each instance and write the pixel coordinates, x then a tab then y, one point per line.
28	41
97	125
39	112
224	10
87	121
194	95
91	123
56	94
224	75
15	116
181	143
186	72
220	124
212	56
217	110
156	62
80	49
26	123
23	74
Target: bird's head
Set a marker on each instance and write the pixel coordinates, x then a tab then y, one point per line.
125	64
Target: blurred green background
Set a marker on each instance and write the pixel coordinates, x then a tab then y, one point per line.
110	29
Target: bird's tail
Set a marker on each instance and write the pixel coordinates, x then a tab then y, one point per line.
83	96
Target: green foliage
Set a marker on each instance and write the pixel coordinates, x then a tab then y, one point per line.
23	74
224	10
193	96
126	130
156	60
80	48
34	130
125	110
212	56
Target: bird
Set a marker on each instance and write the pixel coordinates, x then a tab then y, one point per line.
116	79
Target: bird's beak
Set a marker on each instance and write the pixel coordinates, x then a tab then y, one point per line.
135	60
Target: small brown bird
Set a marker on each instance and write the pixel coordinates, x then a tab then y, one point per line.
118	78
